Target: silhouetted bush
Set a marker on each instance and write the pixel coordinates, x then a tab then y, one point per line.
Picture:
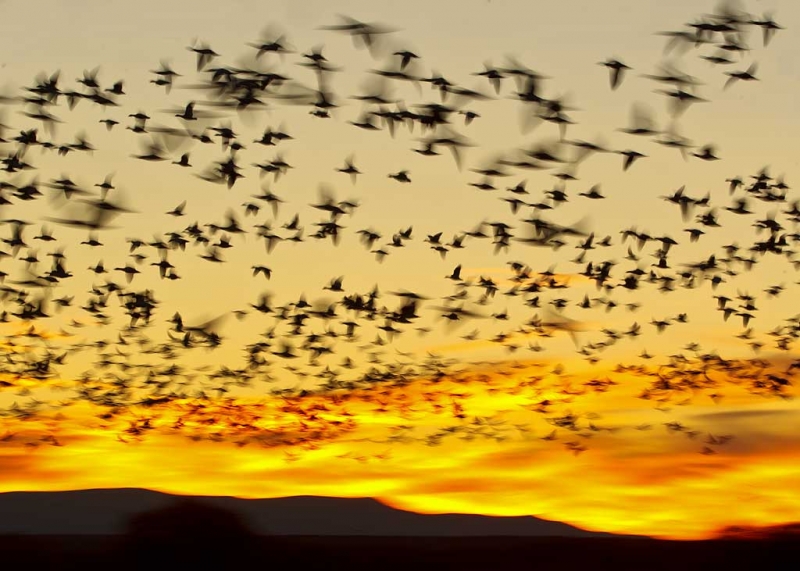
186	533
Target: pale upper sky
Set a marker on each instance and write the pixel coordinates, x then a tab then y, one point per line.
750	124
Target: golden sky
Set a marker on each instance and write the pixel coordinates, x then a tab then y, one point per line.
553	396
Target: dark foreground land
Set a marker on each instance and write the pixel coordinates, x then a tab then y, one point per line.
382	554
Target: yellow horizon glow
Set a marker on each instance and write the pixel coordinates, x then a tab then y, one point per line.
650	482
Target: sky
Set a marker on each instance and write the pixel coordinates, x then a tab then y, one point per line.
555	396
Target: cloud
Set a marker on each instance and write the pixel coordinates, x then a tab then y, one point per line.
735	416
15	463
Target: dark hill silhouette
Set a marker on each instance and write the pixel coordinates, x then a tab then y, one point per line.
106	512
188	532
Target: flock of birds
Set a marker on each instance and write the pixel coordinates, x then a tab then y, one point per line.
142	379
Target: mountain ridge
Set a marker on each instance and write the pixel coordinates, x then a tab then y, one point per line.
105	511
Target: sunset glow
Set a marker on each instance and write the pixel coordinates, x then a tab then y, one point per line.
639	477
